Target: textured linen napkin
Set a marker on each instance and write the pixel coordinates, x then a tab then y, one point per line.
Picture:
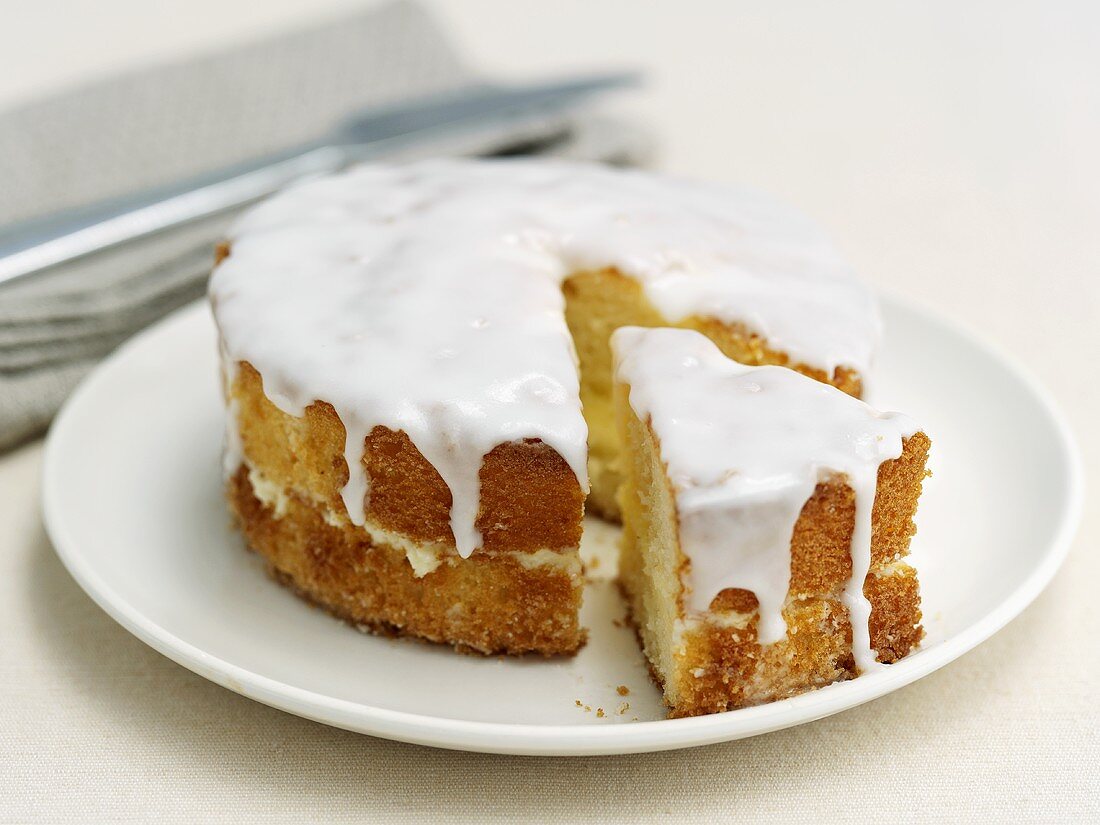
177	121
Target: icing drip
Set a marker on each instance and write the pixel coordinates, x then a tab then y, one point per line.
232	450
427	298
744	448
357	490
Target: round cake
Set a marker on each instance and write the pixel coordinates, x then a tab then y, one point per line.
418	372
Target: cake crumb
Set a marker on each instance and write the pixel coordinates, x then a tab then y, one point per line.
599	713
622	690
578	703
587	708
623	708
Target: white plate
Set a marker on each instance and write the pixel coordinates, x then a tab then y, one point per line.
133	503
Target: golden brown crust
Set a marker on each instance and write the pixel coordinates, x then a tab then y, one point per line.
530	498
895	613
530	501
724	668
487	604
899	487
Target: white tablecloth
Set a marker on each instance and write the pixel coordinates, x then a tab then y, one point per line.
951	149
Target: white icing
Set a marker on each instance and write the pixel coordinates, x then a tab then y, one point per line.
744	448
232	449
426	298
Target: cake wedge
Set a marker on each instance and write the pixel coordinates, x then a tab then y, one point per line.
767	518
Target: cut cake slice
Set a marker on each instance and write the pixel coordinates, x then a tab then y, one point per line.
767	518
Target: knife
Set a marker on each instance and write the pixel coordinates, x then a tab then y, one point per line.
34	246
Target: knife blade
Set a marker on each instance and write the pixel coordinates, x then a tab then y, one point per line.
34	246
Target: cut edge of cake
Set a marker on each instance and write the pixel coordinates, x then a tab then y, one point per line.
710	660
597	302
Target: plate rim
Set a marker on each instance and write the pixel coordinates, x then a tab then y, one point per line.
569	740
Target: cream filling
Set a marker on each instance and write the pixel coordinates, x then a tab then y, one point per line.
567	560
895	567
731	620
268	492
423	557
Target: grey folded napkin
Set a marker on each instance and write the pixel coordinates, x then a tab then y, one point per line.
161	125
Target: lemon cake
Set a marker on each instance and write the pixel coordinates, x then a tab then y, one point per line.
767	518
418	374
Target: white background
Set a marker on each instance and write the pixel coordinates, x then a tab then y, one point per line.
953	150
